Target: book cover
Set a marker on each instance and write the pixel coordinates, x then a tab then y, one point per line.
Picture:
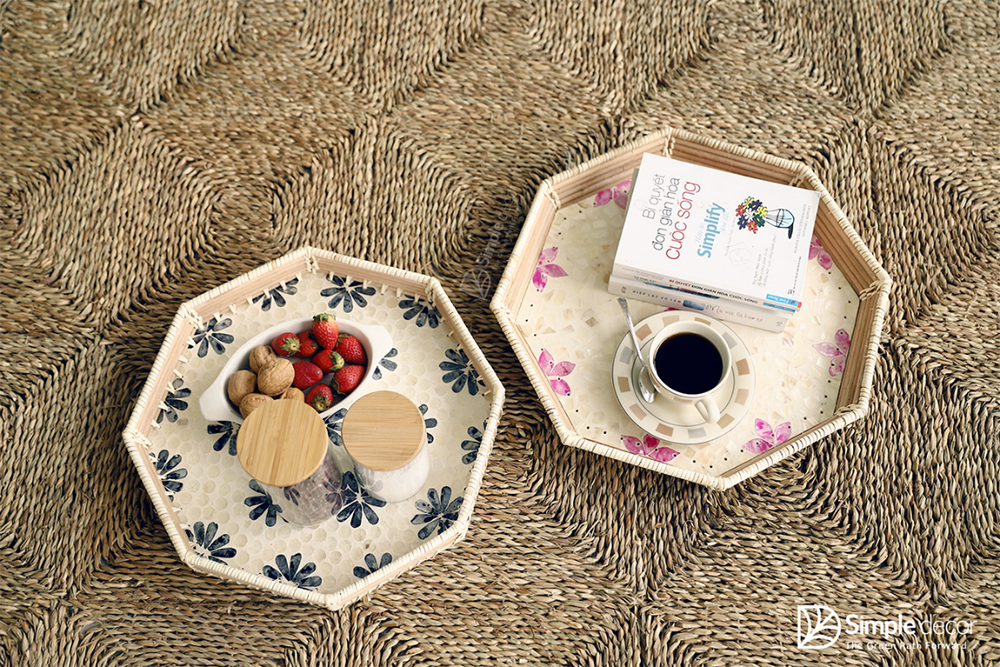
719	308
716	233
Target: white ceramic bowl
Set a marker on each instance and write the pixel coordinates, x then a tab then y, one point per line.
215	404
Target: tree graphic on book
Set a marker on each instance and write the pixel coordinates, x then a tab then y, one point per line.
752	214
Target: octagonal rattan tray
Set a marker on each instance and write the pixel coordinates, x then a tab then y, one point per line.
553	304
222	522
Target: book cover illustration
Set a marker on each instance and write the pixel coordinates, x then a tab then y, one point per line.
752	214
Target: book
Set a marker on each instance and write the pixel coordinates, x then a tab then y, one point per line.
767	319
716	233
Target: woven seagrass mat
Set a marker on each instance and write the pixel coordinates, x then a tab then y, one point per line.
151	150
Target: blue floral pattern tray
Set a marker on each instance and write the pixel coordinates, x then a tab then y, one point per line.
228	525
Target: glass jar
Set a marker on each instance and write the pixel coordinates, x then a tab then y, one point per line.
284	446
384	434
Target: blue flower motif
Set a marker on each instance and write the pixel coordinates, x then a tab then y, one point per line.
204	537
261	504
372	565
292	493
385	363
277	295
472	446
174	401
166	467
334	485
349	293
209	335
227	432
421	309
436	512
288	569
429	423
334	423
460	372
358	503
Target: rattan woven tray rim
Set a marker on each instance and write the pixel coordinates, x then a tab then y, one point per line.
310	259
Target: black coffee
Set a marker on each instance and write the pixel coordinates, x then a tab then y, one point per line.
688	363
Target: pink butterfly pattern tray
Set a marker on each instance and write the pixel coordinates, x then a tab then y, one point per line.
573	326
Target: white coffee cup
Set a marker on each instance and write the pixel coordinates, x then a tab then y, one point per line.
690	368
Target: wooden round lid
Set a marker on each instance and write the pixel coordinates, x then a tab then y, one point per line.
383	430
282	443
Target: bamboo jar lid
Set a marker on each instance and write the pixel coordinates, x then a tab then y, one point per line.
383	431
282	443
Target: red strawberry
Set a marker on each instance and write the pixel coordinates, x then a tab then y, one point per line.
285	344
350	348
320	397
306	374
328	360
347	378
307	345
326	330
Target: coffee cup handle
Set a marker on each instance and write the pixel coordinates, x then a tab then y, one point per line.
708	409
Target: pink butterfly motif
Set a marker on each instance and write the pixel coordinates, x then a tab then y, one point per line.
619	193
649	446
817	250
767	437
838	350
556	372
546	268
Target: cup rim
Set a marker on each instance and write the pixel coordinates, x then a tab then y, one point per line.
686	326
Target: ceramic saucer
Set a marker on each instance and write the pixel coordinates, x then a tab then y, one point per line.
669	420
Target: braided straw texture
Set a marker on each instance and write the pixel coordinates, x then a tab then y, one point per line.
150	151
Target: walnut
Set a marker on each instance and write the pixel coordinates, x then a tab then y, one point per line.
275	377
293	394
261	356
251	402
240	384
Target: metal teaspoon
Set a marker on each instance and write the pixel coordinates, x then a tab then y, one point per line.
645	383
